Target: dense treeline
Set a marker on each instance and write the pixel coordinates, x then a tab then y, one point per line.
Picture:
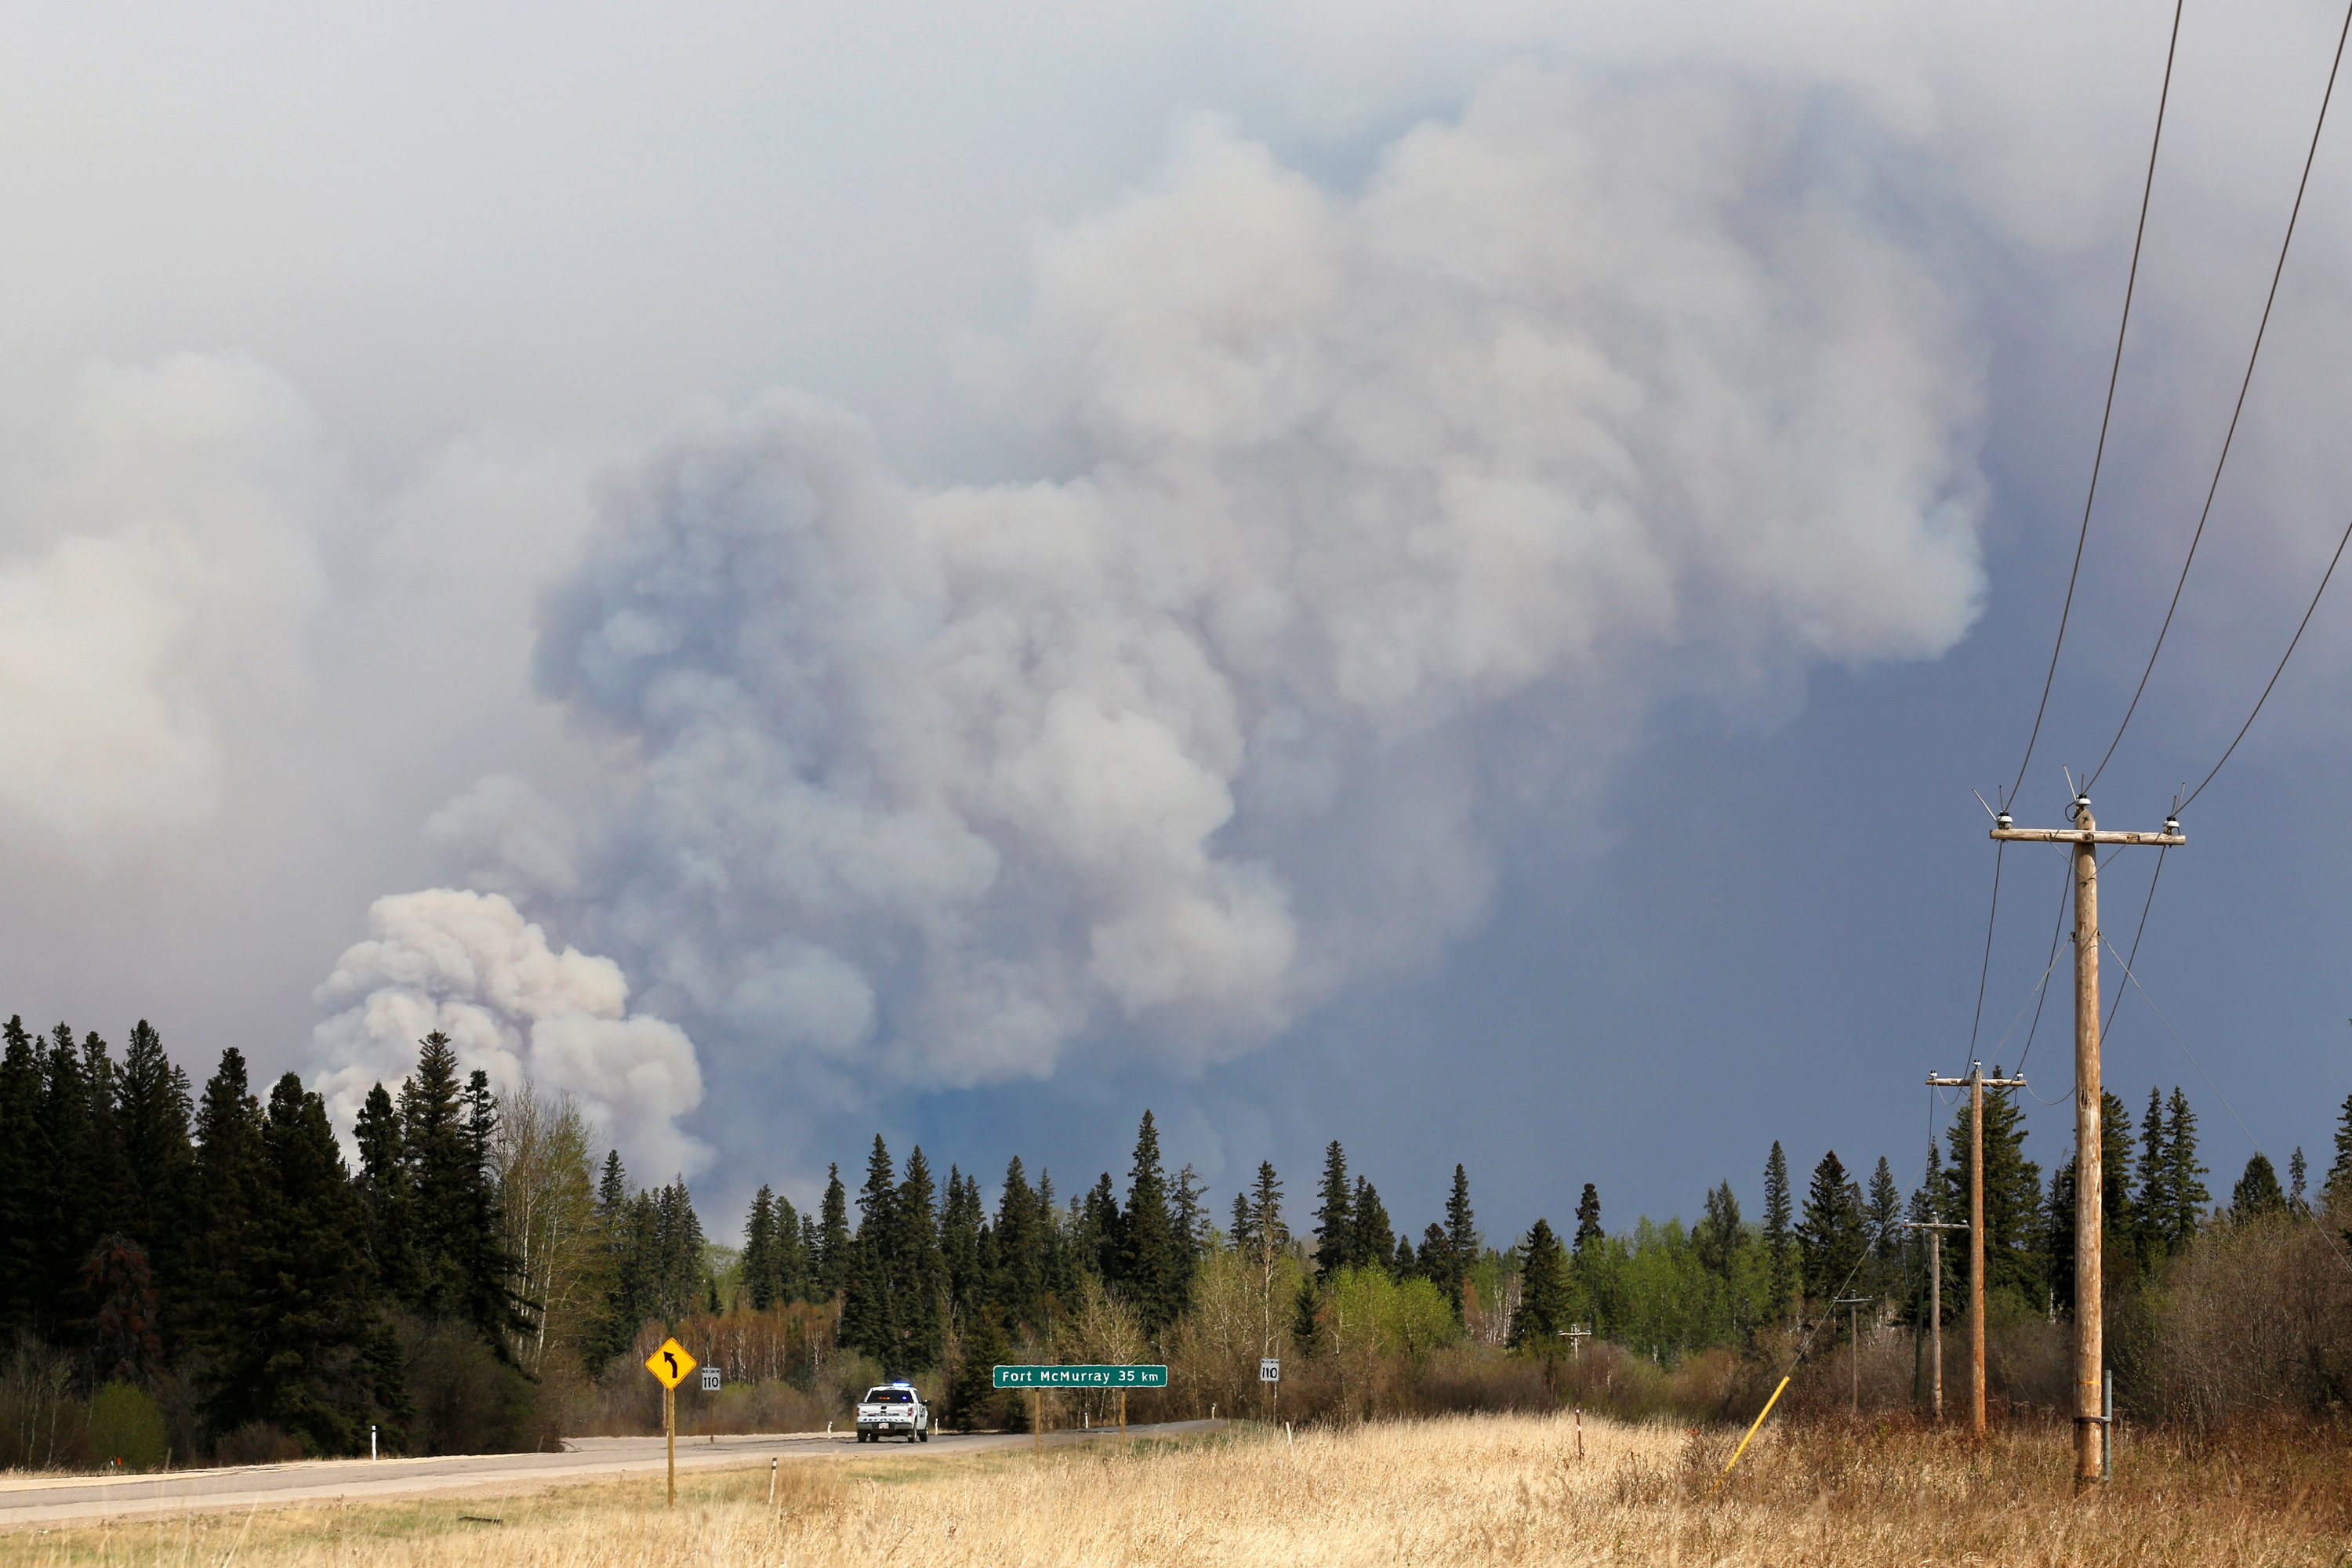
205	1270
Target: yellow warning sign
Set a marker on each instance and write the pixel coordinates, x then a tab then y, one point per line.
670	1363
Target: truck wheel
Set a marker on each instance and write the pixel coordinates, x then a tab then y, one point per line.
924	1436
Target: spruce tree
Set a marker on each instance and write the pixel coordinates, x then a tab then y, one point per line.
1335	1218
2118	1233
1152	1269
1588	1234
617	1322
1240	1227
1266	1231
1460	1240
2337	1191
154	1107
921	1289
493	1304
1095	1238
387	1209
758	1286
1882	1218
1544	1293
1373	1243
2299	1176
24	1172
2257	1194
833	1238
442	1177
2185	1193
228	1209
1831	1235
1720	1237
65	1236
962	1219
1188	1223
2151	1208
1780	1249
309	1321
870	1320
1019	1287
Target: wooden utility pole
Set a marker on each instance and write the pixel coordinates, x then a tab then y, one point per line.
1856	1303
1935	1303
1976	1083
2090	1131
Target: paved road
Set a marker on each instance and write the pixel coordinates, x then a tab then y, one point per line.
44	1500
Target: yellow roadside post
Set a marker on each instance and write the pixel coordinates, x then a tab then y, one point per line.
669	1366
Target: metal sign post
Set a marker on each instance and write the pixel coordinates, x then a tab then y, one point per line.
669	1366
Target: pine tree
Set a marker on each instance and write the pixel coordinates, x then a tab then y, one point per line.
2184	1192
1461	1239
1373	1244
2337	1191
1240	1227
1188	1223
1095	1237
228	1198
1266	1229
24	1164
1588	1234
387	1208
1883	1221
1544	1293
1719	1238
2299	1175
962	1219
442	1177
1832	1233
1019	1288
1335	1218
833	1240
154	1105
2151	1207
870	1320
2257	1193
1151	1270
921	1290
309	1318
493	1304
65	1236
616	1323
757	1288
1779	1250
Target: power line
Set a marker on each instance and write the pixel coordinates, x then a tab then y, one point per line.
1984	971
2266	697
2244	385
2115	371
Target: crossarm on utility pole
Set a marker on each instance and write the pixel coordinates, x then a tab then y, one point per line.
2082	836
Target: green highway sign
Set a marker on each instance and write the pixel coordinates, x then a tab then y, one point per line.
1081	1377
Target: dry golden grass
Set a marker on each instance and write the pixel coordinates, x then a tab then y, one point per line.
1480	1489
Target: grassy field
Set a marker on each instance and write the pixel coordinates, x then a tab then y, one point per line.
1484	1489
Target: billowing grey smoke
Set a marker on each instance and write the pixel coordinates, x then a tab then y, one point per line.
1589	396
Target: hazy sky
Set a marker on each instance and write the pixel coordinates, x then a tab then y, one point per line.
1436	576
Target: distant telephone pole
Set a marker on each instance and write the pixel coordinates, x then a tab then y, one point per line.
1935	1304
2090	1133
1976	1083
1856	1303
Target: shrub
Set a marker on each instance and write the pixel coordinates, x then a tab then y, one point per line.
126	1426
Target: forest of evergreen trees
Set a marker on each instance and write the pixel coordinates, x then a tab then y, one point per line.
477	1279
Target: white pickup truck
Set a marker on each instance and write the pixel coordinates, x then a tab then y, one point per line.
893	1410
